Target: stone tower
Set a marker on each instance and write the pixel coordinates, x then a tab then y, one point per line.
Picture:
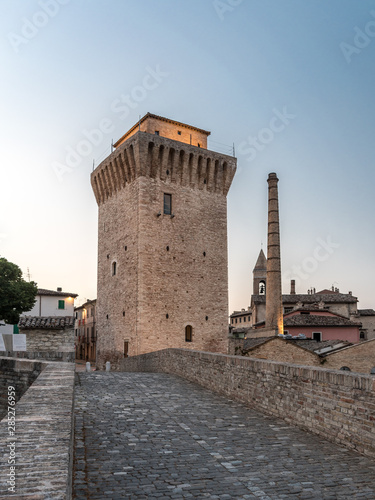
274	306
260	275
162	249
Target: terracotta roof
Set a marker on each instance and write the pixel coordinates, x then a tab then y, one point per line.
311	298
315	320
43	291
46	322
366	312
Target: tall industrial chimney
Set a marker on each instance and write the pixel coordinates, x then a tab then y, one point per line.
274	306
292	287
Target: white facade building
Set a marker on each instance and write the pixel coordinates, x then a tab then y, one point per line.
52	303
47	303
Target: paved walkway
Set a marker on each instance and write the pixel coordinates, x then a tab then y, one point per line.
148	435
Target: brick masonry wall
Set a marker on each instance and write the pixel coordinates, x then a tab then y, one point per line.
44	432
284	352
359	357
170	271
339	406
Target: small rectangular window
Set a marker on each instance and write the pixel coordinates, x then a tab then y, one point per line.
179	132
156	132
167	204
188	333
317	336
61	304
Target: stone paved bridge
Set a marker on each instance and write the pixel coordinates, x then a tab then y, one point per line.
153	435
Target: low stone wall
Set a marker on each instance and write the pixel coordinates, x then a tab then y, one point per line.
337	405
43	439
68	357
18	374
44	339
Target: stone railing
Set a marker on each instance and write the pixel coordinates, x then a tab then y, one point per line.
43	439
337	405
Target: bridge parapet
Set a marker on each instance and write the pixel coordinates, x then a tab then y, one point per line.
336	405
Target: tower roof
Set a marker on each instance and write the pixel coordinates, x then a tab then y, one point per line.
147	124
261	263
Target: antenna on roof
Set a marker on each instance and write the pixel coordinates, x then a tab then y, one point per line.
234	152
139	123
93	165
112	146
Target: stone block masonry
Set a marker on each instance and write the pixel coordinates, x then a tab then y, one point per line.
162	269
339	406
44	435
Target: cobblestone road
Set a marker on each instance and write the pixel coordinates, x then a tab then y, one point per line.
148	435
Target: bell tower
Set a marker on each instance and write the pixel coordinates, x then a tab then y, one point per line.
260	275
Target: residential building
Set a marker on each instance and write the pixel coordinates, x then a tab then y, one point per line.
85	331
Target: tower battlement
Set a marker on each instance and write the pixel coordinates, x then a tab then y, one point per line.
157	157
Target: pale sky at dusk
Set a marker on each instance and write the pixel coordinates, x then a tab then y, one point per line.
289	82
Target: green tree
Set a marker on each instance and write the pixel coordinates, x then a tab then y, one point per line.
16	294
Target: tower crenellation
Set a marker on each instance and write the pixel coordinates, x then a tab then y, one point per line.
144	154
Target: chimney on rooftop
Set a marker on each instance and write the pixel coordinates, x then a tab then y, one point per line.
292	287
59	289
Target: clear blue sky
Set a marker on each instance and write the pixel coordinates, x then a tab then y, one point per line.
228	66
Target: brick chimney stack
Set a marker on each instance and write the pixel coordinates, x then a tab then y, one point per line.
274	307
292	287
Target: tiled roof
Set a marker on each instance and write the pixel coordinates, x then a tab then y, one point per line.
46	322
240	313
366	312
314	345
43	291
251	343
315	320
329	298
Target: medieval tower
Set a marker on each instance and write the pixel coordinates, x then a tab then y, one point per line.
162	249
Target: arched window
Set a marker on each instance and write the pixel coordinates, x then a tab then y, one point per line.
345	368
188	333
114	268
262	287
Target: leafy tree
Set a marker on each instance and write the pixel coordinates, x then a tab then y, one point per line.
16	294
